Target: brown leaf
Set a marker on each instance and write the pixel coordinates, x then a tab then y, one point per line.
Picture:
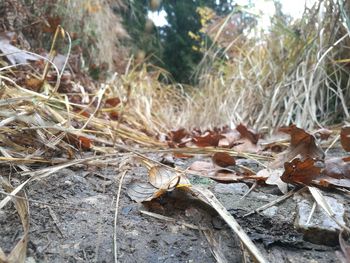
182	155
337	167
224	176
34	84
178	135
302	144
223	159
141	192
113	102
51	24
210	139
166	179
208	170
345	138
298	171
332	182
248	133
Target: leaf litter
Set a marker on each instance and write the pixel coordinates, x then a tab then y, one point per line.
71	125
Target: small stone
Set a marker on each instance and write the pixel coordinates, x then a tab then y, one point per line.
321	229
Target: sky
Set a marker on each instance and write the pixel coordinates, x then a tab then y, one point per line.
265	8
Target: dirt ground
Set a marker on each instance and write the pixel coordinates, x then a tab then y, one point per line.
72	220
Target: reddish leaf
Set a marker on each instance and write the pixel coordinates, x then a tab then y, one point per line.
298	171
332	182
345	138
113	102
302	144
34	84
248	133
210	139
337	167
223	159
178	135
114	115
85	143
52	24
182	156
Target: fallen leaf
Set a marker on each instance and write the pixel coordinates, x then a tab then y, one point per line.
178	135
34	84
113	102
298	171
182	156
337	167
51	24
12	53
248	133
223	159
245	145
302	144
274	178
209	139
141	192
205	168
84	143
208	170
332	182
166	179
345	138
230	139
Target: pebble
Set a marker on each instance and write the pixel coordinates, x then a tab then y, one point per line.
321	229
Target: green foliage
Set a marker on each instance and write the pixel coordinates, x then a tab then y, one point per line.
171	46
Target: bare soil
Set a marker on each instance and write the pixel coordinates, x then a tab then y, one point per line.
72	220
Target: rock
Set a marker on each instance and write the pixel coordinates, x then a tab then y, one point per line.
321	229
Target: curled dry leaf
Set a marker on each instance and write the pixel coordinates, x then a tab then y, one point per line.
248	133
223	159
345	138
274	178
302	144
141	192
337	167
166	179
298	171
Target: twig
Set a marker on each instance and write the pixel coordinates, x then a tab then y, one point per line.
116	217
274	202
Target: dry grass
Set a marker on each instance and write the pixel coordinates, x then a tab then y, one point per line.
291	74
